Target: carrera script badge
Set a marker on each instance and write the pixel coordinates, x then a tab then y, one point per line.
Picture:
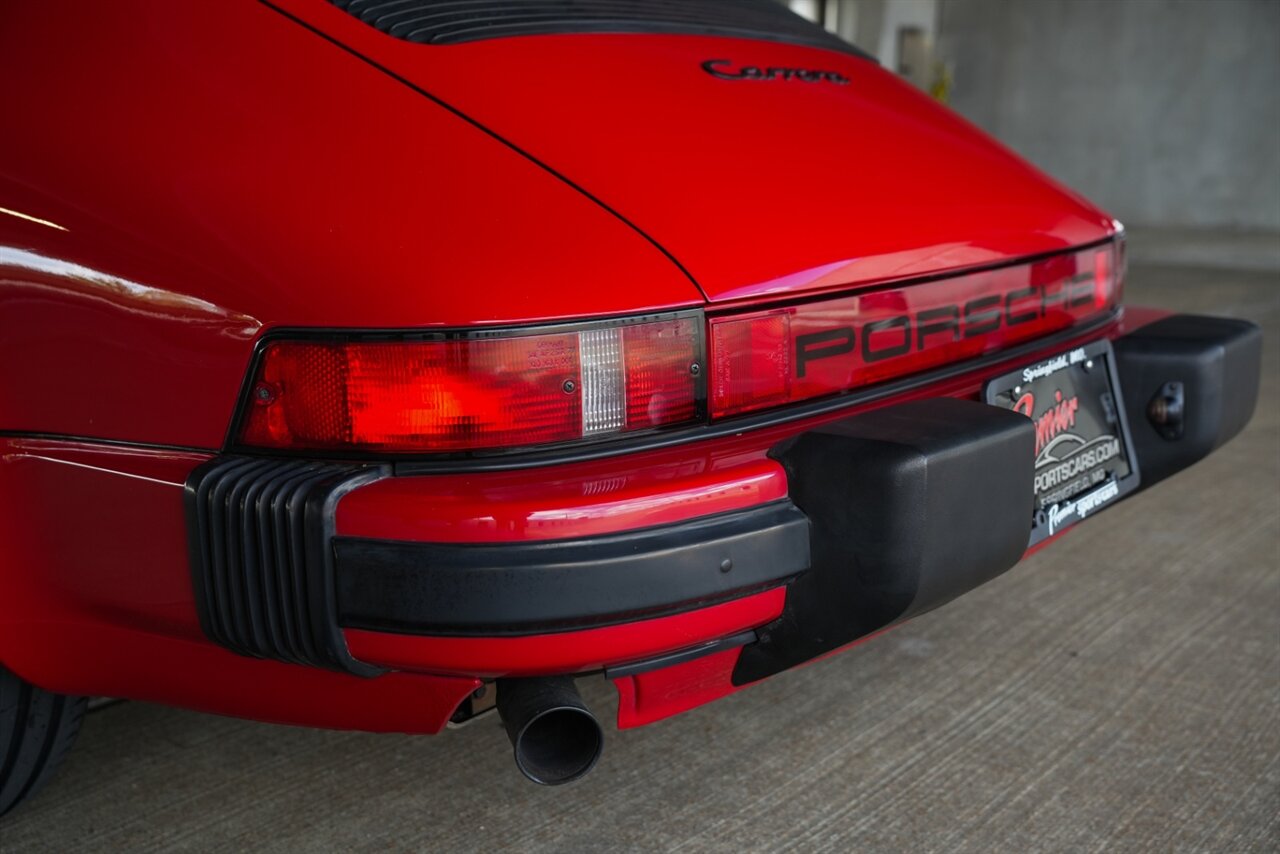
726	70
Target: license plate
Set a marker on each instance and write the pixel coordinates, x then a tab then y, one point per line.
1084	456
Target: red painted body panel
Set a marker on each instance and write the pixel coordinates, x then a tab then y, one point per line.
657	694
757	187
578	501
95	598
199	194
177	179
301	186
113	661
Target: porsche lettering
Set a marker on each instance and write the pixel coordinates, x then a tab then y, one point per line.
915	331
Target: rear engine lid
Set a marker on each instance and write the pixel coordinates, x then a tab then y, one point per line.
768	165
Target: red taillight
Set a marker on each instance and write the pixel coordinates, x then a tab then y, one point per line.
768	358
489	390
480	391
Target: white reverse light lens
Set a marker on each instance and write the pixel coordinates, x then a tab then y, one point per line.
603	396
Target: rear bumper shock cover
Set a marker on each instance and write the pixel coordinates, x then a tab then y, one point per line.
911	505
1212	367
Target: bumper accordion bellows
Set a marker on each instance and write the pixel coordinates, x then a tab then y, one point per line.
260	566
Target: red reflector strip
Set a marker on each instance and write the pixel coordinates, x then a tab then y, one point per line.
499	390
752	360
662	383
769	358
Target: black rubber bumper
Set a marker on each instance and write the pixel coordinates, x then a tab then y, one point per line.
531	587
1190	383
910	506
915	504
890	513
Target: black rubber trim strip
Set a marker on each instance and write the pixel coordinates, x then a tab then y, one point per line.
321	517
491	133
561	585
99	440
680	656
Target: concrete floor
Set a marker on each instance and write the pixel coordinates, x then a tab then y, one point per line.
1120	690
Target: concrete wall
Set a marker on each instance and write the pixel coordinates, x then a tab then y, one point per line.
898	14
1165	112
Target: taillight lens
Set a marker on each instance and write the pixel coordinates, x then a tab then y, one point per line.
477	391
492	390
764	359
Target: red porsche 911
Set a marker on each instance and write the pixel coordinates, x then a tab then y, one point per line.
373	364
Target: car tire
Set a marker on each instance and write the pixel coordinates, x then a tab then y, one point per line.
37	728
